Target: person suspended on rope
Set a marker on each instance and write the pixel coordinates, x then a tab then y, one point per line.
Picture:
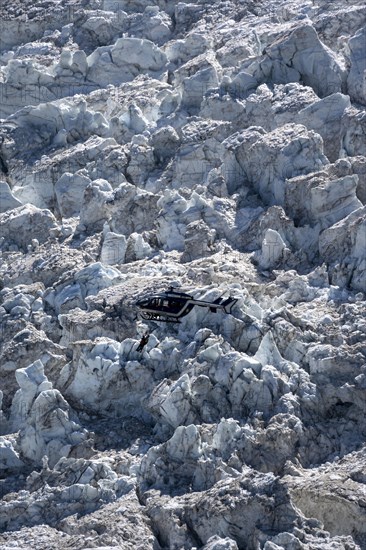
144	340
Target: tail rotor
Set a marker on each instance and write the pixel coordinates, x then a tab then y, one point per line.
228	304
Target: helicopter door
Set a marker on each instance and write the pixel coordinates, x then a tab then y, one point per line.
175	306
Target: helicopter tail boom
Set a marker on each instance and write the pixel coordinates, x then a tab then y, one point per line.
214	307
219	303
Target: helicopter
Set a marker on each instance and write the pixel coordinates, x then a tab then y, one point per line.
171	305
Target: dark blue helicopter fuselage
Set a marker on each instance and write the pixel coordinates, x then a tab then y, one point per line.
168	304
171	305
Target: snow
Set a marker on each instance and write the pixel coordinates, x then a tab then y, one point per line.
216	147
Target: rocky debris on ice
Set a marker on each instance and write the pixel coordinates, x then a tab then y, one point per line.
200	516
214	215
48	426
9	457
19	226
359	168
102	520
109	375
289	151
216	148
273	251
335	27
113	248
327	117
7	199
32	381
165	142
272	106
81	325
88	281
37	182
125	60
324	491
356	76
319	195
2	416
78	486
24	344
26	82
44	264
262	387
354	120
58	123
198	241
300	55
343	247
69	191
127	208
110	313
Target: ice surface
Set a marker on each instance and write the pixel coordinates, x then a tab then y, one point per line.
219	148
